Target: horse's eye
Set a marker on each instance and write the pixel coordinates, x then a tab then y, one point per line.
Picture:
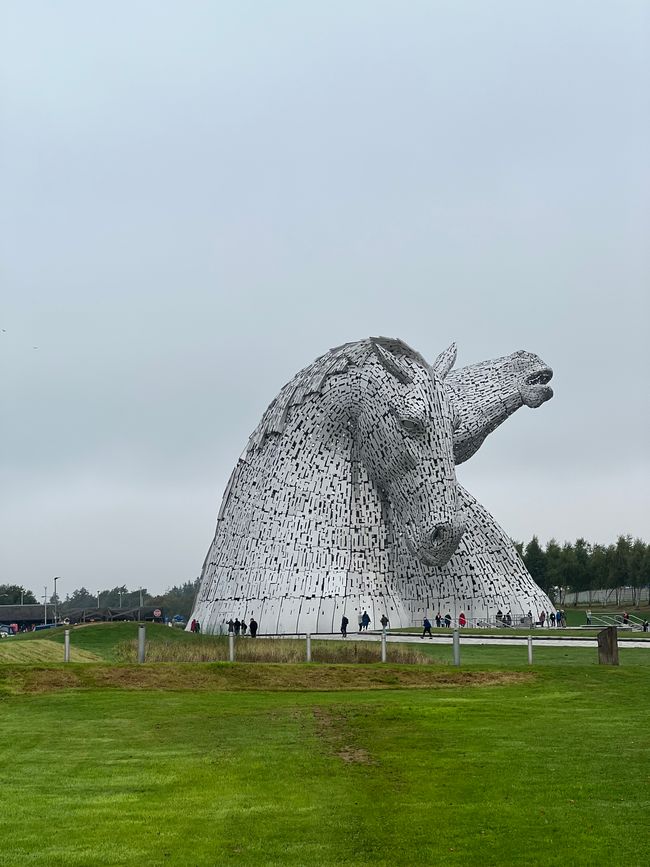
412	427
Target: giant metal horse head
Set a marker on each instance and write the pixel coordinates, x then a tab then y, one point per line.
404	435
379	403
484	395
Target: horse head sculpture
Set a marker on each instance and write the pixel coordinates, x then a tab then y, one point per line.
351	466
405	439
484	395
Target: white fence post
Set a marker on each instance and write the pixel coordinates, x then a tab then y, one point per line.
141	642
231	646
66	646
383	646
530	650
456	647
308	647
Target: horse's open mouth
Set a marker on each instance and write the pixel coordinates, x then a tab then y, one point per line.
535	390
539	377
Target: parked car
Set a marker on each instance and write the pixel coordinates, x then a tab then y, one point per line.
6	631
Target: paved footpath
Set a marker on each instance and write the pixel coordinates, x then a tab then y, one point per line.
538	640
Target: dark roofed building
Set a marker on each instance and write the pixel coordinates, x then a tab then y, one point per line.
29	616
26	616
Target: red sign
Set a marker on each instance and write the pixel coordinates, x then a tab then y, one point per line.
157	612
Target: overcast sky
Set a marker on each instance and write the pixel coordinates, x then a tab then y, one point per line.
198	198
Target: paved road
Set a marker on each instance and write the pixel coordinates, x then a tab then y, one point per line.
538	640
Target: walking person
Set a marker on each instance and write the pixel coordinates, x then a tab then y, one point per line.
231	625
344	626
426	628
384	622
462	620
237	626
366	620
243	626
252	627
360	619
447	620
588	616
438	620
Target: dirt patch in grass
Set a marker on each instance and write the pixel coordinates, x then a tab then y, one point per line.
333	731
246	676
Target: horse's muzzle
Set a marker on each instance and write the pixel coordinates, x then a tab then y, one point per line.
440	544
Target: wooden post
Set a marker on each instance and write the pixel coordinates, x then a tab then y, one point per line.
608	646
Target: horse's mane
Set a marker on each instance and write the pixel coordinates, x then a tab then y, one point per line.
311	379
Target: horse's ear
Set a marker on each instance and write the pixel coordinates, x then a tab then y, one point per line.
445	361
392	363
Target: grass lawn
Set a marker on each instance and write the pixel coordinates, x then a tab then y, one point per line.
297	764
41	650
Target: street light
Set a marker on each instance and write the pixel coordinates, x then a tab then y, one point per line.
120	593
56	602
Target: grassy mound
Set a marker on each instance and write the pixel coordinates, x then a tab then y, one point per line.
261	676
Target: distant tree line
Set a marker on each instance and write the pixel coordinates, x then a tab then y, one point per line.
177	600
582	567
578	567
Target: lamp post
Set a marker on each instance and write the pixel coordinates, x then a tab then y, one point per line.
121	593
56	601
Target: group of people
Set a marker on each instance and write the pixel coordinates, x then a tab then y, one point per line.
505	619
363	621
239	627
443	621
195	627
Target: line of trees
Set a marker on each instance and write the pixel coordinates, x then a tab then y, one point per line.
578	567
177	600
582	567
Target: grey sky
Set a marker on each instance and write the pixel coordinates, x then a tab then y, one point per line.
200	198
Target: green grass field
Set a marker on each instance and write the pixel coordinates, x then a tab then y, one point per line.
293	764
